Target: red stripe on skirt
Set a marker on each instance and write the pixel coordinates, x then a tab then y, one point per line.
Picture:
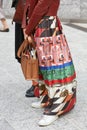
59	81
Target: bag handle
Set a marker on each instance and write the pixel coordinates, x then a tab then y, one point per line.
25	45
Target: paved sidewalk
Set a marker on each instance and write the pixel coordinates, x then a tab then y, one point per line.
15	110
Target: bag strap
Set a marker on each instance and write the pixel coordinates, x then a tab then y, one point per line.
24	46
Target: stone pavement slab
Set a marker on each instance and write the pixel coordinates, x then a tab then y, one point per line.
4	125
79	26
15	110
84	25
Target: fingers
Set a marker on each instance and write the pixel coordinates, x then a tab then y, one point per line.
25	36
30	40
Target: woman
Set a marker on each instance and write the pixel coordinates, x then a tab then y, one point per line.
3	19
19	37
55	62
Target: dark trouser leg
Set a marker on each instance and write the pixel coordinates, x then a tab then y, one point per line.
19	37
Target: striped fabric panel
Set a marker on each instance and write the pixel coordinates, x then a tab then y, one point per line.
57	66
50	83
57	72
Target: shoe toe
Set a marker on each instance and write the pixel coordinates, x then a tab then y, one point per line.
47	120
30	89
30	94
36	104
5	30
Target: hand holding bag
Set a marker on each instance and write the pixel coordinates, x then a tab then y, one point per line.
29	61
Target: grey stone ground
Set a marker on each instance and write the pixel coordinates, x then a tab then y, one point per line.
15	110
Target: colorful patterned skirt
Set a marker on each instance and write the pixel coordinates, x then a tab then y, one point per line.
55	61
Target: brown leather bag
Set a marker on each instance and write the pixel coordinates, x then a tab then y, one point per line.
18	15
29	64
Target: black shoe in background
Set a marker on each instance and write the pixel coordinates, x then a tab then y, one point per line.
30	92
5	30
